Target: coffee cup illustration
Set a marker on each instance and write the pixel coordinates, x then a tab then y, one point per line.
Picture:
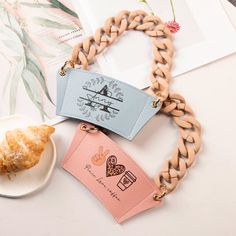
126	180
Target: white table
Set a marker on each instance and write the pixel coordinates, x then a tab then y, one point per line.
205	202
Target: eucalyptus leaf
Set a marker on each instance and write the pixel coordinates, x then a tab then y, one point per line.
11	22
14	81
6	83
9	73
28	77
52	24
33	91
11	40
53	4
30	44
34	67
12	45
57	4
144	1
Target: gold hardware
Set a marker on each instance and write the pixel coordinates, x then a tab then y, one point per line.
88	129
155	103
66	64
158	197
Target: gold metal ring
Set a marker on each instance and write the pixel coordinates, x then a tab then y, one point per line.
155	103
158	197
62	71
88	129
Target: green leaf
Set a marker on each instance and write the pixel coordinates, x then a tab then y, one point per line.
144	1
11	40
57	4
52	24
11	22
14	81
30	44
9	74
53	4
34	67
7	80
33	91
12	45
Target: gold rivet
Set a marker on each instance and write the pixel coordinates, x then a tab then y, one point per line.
83	127
158	197
88	129
155	103
62	72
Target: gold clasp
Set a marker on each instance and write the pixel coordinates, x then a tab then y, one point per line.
62	71
88	129
155	103
158	197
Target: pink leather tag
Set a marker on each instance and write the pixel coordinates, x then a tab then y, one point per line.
110	174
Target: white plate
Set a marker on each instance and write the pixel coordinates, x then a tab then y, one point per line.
26	181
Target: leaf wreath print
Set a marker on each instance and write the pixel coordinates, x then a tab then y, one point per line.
101	99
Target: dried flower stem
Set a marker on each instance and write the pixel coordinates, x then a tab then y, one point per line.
173	9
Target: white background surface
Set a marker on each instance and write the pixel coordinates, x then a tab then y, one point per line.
203	204
199	35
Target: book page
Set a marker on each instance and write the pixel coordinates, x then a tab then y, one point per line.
195	29
36	38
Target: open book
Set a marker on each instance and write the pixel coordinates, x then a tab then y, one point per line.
36	37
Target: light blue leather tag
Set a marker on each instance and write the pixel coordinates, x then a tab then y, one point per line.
104	101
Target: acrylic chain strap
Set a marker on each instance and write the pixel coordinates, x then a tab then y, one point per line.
173	104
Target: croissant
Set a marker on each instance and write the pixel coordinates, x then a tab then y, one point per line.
21	149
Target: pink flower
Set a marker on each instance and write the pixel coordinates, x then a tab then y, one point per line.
173	26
